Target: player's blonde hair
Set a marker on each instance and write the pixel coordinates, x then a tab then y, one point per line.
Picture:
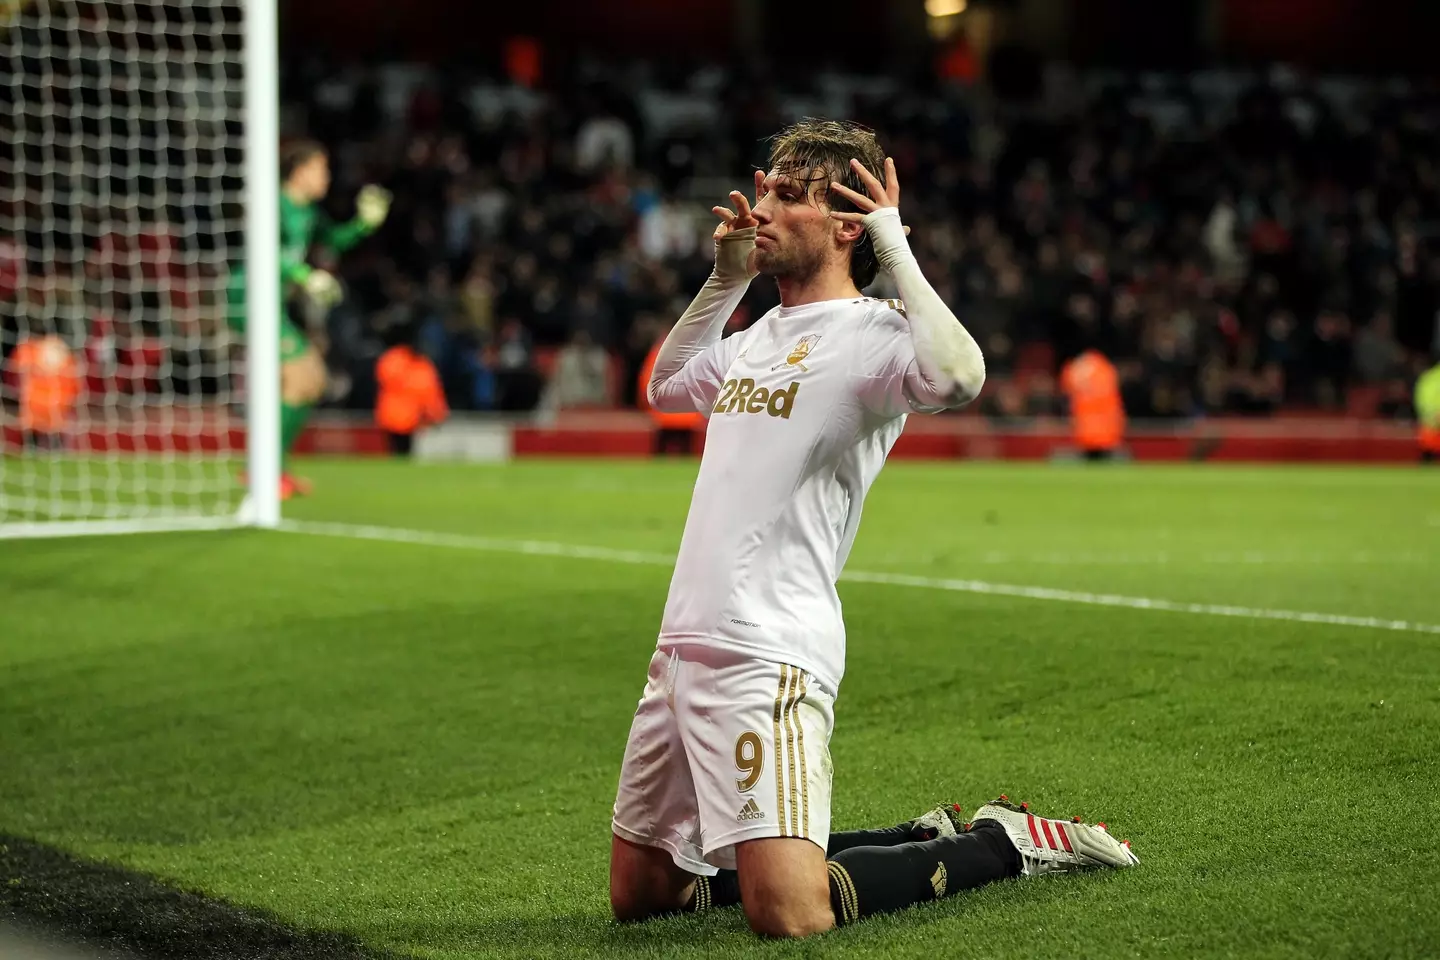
812	150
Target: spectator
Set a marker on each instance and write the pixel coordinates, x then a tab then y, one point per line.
1330	357
1213	239
1378	356
603	141
582	374
592	317
517	383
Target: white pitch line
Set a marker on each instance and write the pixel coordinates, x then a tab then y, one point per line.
99	528
1248	558
462	541
1141	603
575	551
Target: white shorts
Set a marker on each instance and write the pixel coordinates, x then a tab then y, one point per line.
724	749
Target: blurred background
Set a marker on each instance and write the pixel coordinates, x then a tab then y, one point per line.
1236	201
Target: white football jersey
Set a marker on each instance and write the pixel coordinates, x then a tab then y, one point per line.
804	407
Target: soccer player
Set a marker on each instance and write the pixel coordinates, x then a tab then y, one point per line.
724	791
304	182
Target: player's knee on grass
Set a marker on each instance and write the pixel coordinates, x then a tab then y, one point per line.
784	887
644	881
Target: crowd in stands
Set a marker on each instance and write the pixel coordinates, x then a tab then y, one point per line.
1235	242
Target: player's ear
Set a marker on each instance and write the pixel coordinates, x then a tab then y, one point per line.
849	231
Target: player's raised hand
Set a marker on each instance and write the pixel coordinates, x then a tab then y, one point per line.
734	249
882	196
372	205
740	217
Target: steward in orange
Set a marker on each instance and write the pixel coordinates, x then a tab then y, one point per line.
1097	413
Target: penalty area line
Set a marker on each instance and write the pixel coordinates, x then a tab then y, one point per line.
548	548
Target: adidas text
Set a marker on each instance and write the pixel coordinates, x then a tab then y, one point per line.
750	811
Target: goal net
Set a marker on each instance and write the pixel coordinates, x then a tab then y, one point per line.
121	212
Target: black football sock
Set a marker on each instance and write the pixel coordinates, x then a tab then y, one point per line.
870	880
721	890
879	837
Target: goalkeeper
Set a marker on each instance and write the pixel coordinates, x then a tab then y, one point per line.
304	181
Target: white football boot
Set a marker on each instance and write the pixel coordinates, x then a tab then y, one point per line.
1056	846
943	821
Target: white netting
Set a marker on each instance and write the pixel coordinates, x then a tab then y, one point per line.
120	209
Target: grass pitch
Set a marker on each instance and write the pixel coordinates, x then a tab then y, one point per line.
416	743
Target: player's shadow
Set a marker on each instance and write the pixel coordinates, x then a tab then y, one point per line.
721	931
568	935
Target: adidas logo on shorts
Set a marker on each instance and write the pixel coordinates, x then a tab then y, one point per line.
750	811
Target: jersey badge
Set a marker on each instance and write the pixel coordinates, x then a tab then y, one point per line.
799	352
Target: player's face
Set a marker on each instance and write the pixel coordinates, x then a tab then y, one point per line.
313	176
795	235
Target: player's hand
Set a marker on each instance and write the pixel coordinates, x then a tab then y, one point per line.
881	195
322	287
735	235
879	212
372	205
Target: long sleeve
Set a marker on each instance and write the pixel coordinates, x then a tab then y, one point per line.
687	372
342	236
296	273
949	367
297	224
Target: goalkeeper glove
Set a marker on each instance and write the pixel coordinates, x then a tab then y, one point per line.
323	288
372	206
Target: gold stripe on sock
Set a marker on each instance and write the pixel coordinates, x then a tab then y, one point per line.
702	887
849	901
854	894
847	912
780	767
793	695
835	879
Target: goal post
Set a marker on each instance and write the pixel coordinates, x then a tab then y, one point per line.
138	168
262	252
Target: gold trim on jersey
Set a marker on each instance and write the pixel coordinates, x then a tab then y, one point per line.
794	813
780	767
804	775
790	722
